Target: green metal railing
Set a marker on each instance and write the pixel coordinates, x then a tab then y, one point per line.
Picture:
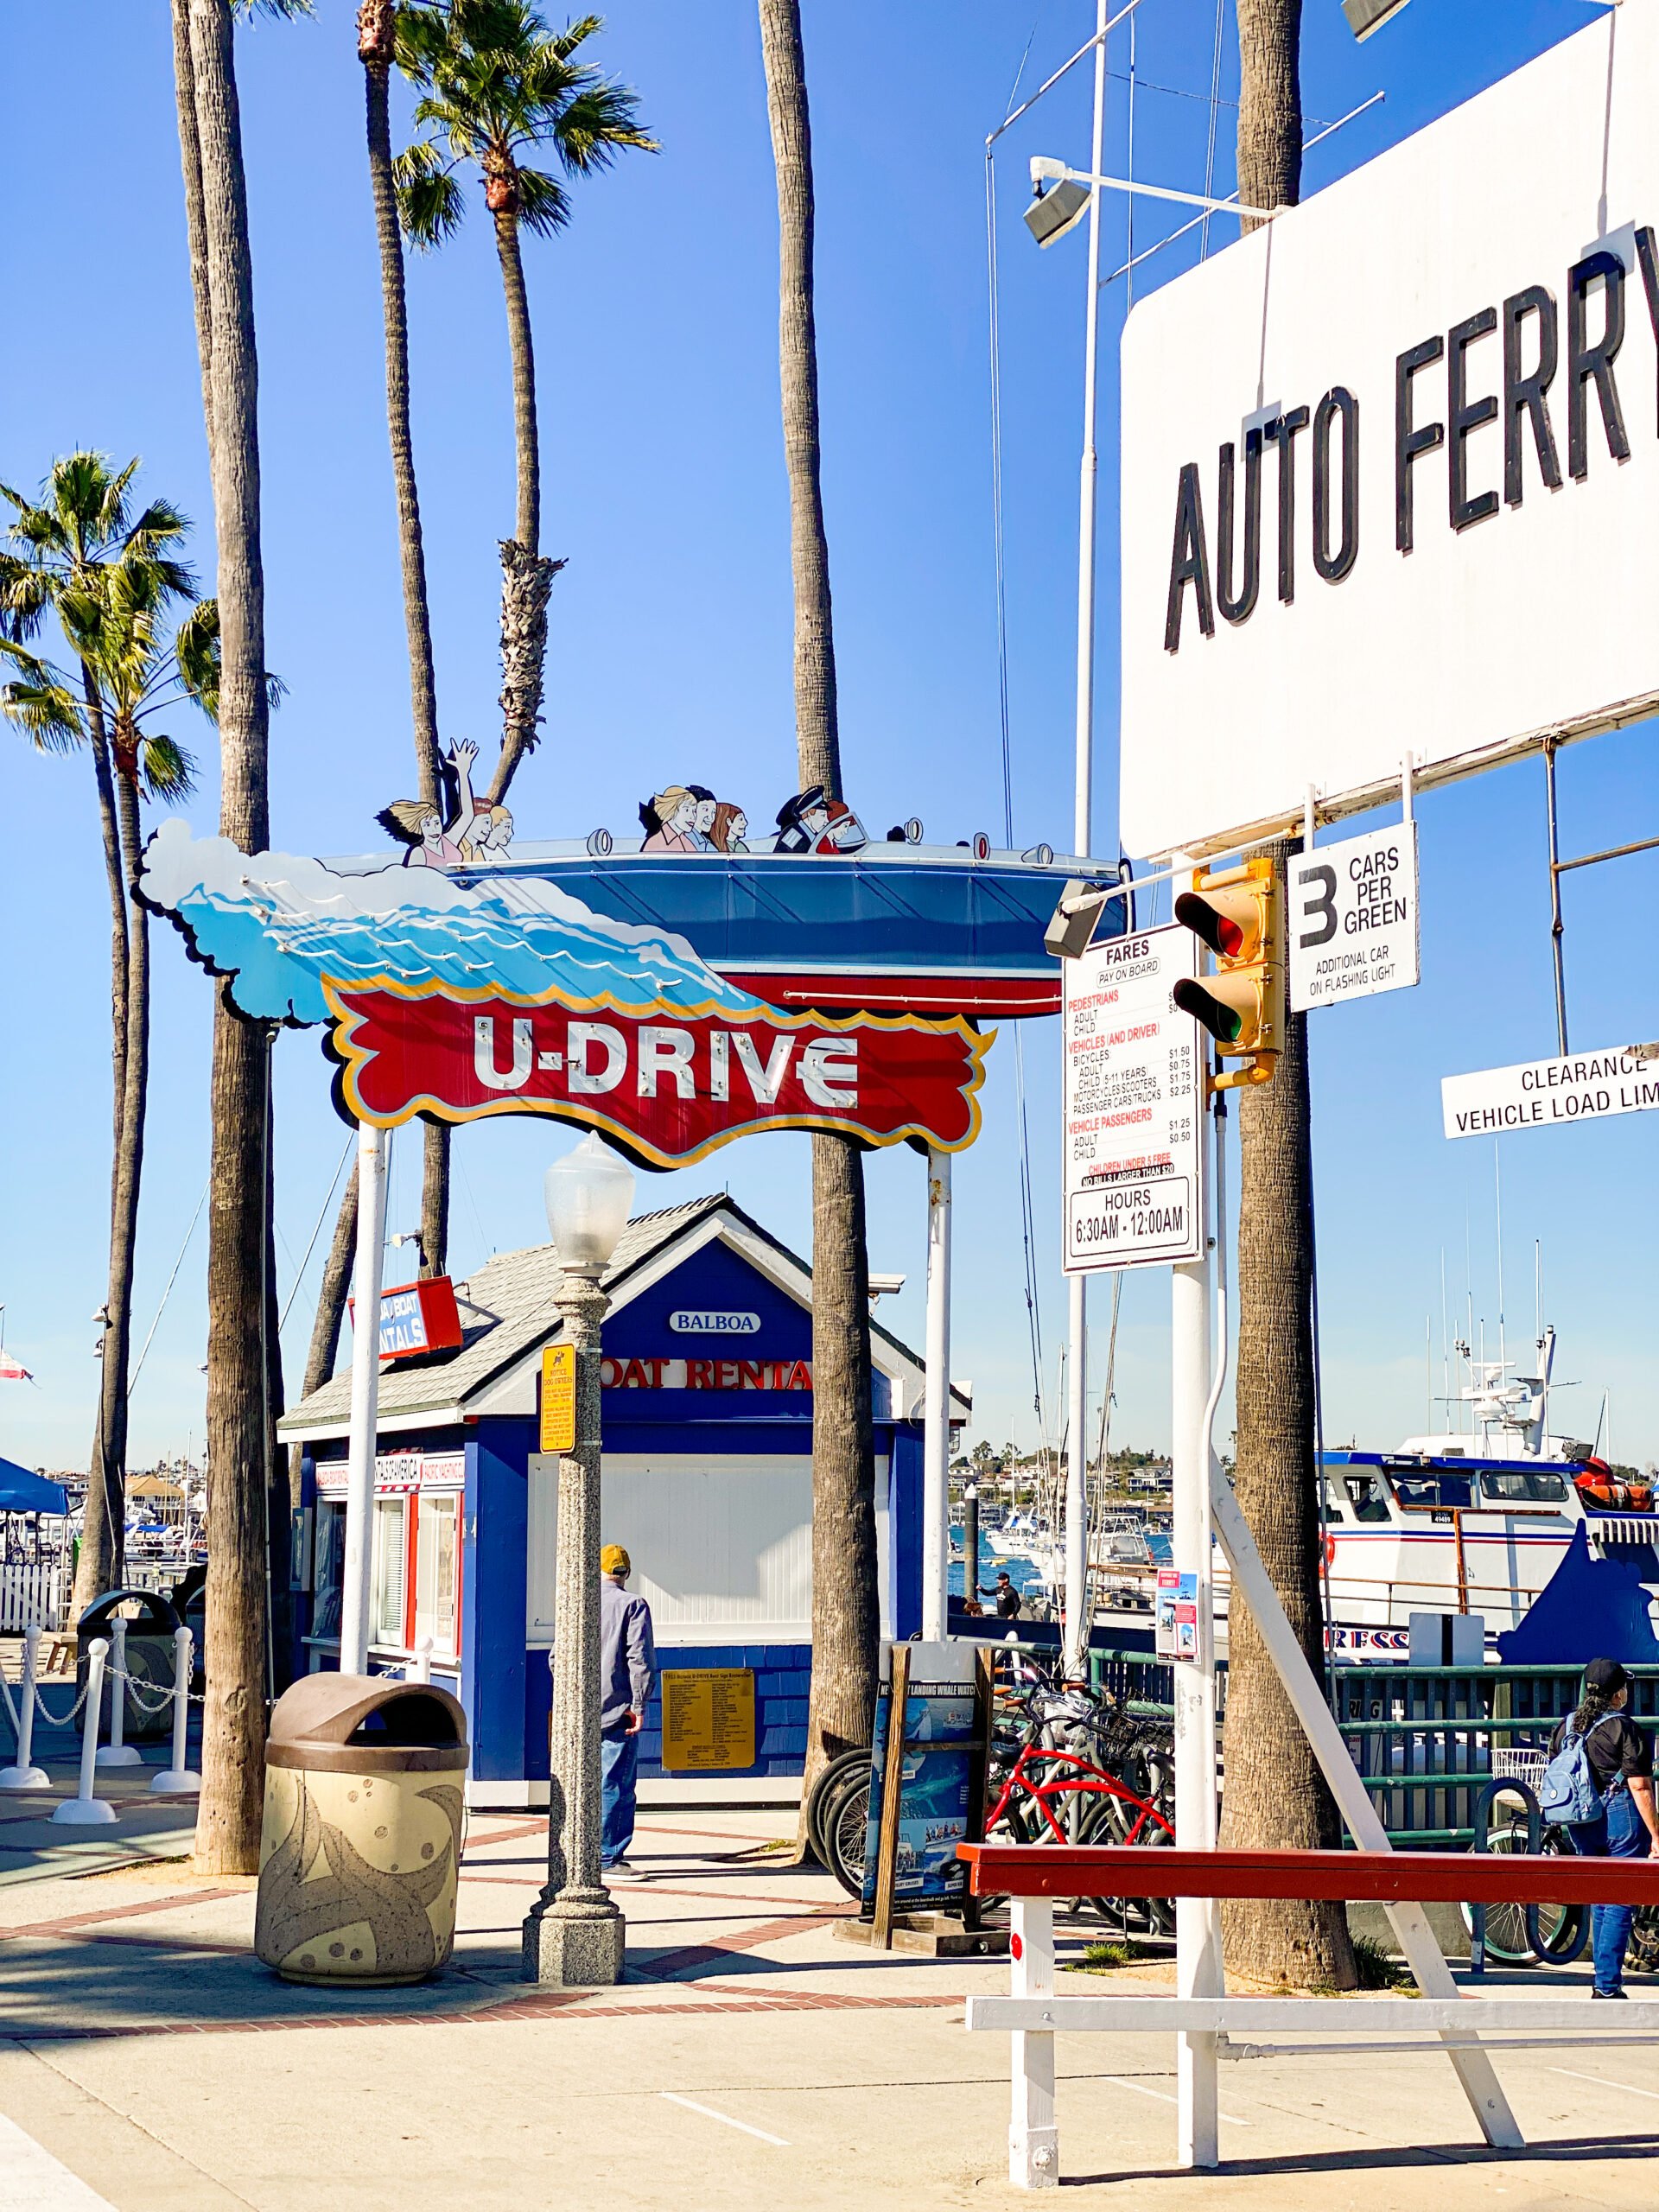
1421	1737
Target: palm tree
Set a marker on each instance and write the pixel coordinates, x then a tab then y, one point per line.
1275	1792
376	49
80	554
243	1503
497	84
846	1611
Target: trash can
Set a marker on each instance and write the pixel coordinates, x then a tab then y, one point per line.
151	1620
361	1844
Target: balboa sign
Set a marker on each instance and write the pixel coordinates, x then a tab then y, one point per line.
1391	464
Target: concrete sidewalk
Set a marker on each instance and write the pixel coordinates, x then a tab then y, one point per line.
749	2058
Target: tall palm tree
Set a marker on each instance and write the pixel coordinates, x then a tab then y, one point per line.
376	49
496	83
241	1503
81	554
1276	1795
846	1612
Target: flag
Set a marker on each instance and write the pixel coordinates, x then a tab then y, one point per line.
12	1370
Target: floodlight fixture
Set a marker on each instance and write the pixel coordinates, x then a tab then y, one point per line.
1057	209
1365	16
1071	929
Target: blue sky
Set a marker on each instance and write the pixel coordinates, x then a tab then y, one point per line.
655	319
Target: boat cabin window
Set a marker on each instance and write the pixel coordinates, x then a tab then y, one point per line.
1368	1497
1422	1492
1333	1507
1524	1486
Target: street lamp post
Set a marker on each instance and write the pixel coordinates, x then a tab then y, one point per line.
574	1933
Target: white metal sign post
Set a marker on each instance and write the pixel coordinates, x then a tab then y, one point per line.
1352	920
1134	1106
1550	1094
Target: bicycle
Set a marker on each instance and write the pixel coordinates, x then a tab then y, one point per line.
1542	1934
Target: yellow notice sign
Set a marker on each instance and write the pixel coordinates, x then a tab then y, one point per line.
708	1720
559	1398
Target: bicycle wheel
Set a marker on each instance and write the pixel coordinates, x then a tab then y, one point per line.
1562	1930
1643	1954
1506	1924
827	1786
846	1822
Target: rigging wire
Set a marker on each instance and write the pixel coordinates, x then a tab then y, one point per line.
132	1380
1209	151
1027	1204
316	1232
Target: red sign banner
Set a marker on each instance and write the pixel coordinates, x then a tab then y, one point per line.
670	1088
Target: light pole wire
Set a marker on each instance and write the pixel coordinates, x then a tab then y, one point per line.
1209	151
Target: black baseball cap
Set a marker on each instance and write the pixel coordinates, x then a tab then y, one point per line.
1606	1674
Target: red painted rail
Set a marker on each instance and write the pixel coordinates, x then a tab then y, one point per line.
1373	1877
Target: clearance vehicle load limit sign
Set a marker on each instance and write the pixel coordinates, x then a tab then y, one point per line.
1134	1097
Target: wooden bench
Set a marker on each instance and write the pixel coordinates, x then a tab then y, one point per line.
1031	1875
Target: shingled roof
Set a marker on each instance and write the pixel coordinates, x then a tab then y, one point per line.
506	1306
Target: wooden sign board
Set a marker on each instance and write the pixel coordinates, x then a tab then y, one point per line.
708	1720
559	1398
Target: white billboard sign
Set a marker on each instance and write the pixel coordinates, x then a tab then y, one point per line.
1352	923
1548	1094
1134	1105
1390	465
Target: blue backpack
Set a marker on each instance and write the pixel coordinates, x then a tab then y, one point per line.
1567	1792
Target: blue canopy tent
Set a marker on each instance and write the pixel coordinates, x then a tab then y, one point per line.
22	1492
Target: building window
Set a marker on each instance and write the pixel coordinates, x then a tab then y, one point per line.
330	1566
388	1583
437	1556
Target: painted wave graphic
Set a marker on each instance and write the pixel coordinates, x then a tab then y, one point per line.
275	924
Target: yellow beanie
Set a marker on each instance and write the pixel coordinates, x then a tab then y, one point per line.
614	1560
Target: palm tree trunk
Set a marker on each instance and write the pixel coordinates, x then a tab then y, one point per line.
98	1559
846	1604
184	87
526	578
816	724
227	1827
1275	1793
377	27
129	1172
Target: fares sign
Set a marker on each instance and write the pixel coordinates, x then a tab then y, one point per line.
1390	465
1134	1099
670	1088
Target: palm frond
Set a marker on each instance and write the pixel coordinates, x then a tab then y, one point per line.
196	648
544	203
166	771
281	8
430	202
40	703
594	123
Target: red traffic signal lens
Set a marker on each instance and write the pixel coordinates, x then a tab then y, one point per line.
1224	1022
1210	926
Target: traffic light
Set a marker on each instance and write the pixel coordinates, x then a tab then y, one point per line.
1238	913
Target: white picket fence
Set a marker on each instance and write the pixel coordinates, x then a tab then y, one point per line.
31	1594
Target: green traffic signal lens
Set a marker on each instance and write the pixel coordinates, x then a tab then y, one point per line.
1224	1022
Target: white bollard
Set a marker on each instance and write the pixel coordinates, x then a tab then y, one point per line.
83	1810
118	1752
25	1776
178	1780
420	1667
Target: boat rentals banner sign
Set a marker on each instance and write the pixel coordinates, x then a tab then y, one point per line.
457	997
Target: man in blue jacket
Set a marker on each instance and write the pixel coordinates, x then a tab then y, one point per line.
627	1665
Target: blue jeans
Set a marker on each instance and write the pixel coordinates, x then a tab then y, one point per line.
619	1754
1620	1832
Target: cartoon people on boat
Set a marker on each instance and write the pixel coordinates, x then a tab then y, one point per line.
460	831
688	819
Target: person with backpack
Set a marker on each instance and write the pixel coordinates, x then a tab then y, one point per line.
1599	1785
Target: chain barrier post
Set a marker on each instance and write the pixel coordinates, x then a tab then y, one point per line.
118	1752
420	1668
178	1780
25	1775
85	1810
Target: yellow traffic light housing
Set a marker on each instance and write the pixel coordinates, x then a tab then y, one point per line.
1238	913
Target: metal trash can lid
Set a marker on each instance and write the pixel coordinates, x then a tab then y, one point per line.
156	1616
367	1724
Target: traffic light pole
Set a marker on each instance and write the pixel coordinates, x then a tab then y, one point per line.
1198	1926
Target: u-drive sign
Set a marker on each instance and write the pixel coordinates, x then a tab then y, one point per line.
1352	922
